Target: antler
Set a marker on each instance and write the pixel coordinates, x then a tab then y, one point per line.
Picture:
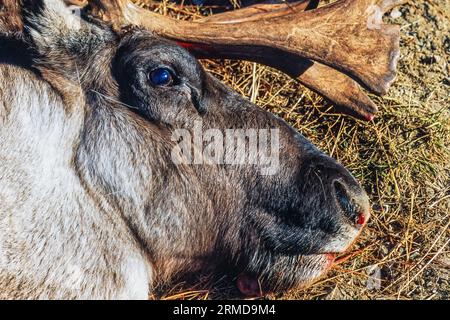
330	83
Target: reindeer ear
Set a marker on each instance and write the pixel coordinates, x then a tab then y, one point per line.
55	27
50	18
59	33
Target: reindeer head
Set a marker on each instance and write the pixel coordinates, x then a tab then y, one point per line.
156	141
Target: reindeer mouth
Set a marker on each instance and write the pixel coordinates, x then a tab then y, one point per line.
251	286
288	269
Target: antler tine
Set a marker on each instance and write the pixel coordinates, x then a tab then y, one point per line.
260	11
340	89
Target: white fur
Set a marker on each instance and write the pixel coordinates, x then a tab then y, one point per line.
341	242
135	270
51	232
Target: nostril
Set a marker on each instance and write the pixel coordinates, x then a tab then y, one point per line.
347	204
361	219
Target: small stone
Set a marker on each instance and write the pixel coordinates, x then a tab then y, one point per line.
384	249
395	14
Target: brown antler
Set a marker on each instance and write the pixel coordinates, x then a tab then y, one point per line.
330	83
261	11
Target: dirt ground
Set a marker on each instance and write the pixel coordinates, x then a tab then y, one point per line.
402	158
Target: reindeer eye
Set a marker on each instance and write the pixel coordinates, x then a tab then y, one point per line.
161	77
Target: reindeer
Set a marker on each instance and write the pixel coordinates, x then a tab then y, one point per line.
93	204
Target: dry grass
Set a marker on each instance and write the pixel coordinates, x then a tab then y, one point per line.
402	158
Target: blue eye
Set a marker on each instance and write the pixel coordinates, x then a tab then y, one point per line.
161	77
